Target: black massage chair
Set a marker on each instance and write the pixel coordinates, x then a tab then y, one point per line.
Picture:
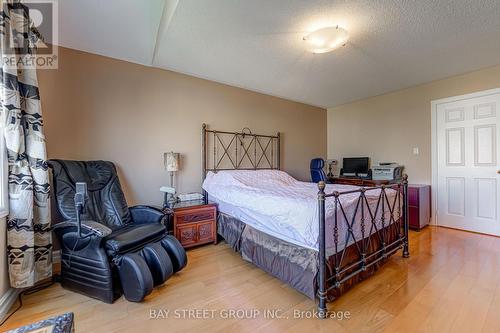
109	249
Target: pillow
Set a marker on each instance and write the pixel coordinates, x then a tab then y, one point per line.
252	178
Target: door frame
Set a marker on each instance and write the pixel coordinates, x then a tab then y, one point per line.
434	142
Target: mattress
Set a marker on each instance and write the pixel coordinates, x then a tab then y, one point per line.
275	203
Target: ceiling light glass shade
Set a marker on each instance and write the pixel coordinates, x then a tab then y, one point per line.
326	39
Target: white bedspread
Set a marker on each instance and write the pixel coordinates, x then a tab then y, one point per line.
275	203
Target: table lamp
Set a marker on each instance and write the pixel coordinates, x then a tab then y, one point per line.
331	164
171	161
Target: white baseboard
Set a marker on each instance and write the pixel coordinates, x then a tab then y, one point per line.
8	299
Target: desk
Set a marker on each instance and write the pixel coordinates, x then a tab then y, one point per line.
358	181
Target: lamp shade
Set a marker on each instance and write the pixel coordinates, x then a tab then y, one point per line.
171	161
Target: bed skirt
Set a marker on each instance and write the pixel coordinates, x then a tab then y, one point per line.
294	265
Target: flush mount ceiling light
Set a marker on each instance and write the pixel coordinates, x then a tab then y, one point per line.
326	39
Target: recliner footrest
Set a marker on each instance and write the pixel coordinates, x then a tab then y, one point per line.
158	261
135	276
175	251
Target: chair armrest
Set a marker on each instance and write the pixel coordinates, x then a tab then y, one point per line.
91	227
142	214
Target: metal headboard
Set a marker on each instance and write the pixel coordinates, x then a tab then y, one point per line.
222	150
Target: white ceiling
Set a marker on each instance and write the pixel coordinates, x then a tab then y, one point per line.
122	29
257	44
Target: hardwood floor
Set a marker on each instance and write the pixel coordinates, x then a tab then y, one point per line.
449	284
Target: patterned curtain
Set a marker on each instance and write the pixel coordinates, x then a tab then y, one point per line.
28	231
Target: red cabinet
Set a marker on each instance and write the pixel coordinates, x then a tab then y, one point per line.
419	205
195	224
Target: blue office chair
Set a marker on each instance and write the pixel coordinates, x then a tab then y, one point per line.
317	172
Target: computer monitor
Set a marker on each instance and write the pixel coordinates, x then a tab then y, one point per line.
356	165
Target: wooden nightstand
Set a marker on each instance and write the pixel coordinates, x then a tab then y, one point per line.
194	223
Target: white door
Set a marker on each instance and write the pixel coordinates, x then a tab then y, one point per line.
468	163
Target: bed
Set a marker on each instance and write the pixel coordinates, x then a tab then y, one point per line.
320	239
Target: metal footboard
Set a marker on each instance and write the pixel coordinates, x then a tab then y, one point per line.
373	221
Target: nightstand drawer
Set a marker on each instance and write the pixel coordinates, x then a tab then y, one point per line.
190	216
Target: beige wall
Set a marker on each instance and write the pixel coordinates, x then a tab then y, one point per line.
388	127
99	108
